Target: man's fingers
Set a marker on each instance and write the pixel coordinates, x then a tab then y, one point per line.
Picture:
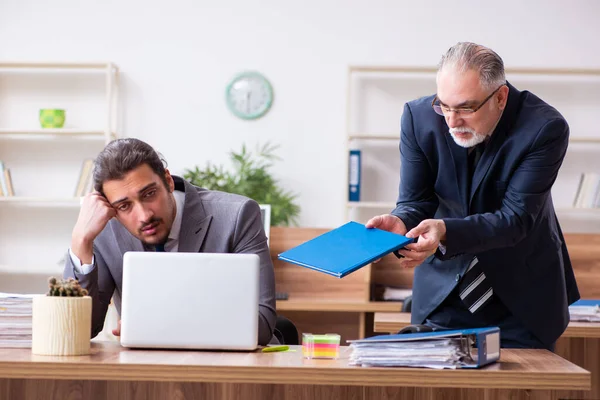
374	222
117	330
422	245
416	255
411	264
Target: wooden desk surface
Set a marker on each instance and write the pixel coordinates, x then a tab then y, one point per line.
518	369
392	322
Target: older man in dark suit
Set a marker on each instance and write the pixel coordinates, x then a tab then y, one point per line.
478	161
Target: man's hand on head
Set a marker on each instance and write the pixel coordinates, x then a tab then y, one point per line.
94	214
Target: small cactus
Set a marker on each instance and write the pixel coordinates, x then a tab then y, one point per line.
65	288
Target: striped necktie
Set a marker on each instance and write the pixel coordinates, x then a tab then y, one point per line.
474	289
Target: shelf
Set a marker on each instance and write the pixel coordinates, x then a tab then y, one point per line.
375	136
41	201
32	270
582	211
370	204
339	305
56	65
48	132
584	140
509	71
396	137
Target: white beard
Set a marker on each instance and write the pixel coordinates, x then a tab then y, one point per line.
474	140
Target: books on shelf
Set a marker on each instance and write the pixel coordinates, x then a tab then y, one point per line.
15	320
354	172
587	194
85	182
390	293
6	186
440	349
585	311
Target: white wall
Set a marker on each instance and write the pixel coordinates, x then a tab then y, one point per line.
176	58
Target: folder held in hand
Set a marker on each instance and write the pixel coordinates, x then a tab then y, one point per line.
343	250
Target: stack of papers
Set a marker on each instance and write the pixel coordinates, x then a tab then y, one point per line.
15	320
434	353
468	348
396	294
585	310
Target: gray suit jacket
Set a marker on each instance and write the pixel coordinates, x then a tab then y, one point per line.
212	222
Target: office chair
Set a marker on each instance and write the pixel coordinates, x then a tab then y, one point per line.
407	304
285	331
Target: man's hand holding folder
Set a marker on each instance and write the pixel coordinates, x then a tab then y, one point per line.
428	234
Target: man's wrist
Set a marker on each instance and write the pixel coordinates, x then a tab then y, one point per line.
82	249
442	228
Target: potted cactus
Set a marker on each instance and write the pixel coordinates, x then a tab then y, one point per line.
62	320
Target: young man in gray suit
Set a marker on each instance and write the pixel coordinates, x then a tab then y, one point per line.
138	205
478	161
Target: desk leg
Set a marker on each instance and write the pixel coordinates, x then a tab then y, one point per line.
584	352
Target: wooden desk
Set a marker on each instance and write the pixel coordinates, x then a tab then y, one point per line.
113	372
580	344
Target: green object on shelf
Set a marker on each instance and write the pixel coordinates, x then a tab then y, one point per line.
52	118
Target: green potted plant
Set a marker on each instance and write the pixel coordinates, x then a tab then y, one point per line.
62	320
251	177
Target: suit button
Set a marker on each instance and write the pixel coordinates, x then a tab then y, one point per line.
457	277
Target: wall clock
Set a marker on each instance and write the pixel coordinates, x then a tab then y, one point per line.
249	95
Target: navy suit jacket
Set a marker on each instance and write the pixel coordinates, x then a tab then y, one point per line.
505	216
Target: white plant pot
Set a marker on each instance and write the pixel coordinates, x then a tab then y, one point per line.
61	326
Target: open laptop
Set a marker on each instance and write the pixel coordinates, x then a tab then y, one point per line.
190	301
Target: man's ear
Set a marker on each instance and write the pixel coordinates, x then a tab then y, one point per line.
502	97
170	182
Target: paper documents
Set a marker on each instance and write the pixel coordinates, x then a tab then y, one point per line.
467	348
15	320
585	311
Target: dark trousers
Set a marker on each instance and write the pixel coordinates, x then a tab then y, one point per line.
453	314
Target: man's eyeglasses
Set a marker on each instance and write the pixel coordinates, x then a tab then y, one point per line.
463	112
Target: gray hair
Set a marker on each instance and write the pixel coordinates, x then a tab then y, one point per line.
465	56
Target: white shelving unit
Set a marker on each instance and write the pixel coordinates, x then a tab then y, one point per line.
375	100
45	163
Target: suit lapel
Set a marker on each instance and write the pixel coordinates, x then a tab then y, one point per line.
194	222
489	153
498	137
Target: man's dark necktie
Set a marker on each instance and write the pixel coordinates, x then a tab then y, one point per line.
159	247
474	289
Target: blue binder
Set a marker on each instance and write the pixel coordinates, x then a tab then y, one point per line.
345	249
354	170
586	303
485	340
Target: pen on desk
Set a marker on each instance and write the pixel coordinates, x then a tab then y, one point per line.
271	349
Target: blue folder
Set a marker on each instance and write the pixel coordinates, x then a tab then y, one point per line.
586	303
345	249
485	340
